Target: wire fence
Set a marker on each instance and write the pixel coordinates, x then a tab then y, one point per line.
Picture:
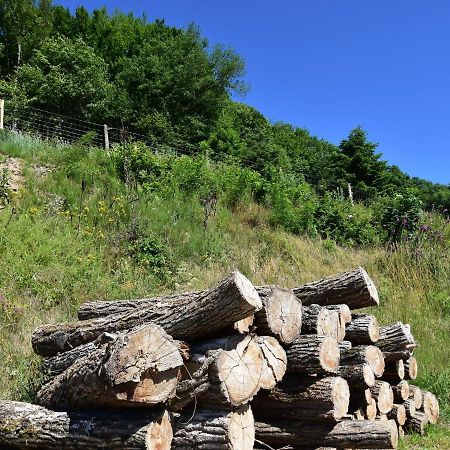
70	130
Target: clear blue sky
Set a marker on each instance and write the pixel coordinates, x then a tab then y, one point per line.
330	65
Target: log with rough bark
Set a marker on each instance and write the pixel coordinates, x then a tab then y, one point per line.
345	346
281	314
397	413
416	394
221	373
136	368
337	326
343	310
394	372
362	354
354	434
313	354
27	426
410	366
358	376
235	298
354	289
382	392
410	408
417	423
218	430
367	412
430	406
396	341
400	391
315	320
363	329
305	399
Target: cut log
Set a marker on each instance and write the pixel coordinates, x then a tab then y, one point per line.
410	366
363	329
354	289
401	432
274	362
362	354
218	309
136	368
371	410
222	373
396	341
305	399
417	423
400	391
343	310
397	413
416	394
316	320
430	406
218	430
394	372
347	434
382	393
313	354
410	408
337	326
281	315
358	376
27	426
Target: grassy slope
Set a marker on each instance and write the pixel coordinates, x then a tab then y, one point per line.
50	264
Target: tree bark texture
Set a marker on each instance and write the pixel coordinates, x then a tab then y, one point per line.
382	393
363	330
410	367
362	354
396	341
358	376
316	320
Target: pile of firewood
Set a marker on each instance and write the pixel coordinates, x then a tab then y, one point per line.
234	367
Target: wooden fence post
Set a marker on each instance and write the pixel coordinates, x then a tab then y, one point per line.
2	112
106	136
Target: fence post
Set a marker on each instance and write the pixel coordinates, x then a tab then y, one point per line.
2	112
106	136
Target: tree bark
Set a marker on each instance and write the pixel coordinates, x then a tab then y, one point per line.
221	374
400	391
394	371
396	341
397	413
410	366
343	310
430	406
347	434
410	408
136	368
313	354
382	393
281	315
305	399
218	430
354	289
416	394
363	330
417	423
358	376
316	320
27	426
362	354
218	309
345	346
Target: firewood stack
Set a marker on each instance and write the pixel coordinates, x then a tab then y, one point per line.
234	367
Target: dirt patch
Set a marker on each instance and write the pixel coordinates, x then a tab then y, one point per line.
14	168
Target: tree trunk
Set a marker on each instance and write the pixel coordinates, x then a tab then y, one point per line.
305	399
384	396
410	365
337	326
363	329
417	423
397	413
347	434
274	362
343	310
358	376
410	408
400	391
222	373
136	368
27	426
281	315
313	354
362	354
394	371
218	309
416	394
430	406
218	430
354	289
396	341
316	320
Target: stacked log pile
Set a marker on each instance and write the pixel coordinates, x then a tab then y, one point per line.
233	367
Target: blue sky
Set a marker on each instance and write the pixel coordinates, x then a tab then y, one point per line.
330	65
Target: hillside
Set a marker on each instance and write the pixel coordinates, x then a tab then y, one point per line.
85	225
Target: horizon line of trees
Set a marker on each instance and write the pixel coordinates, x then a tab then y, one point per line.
172	86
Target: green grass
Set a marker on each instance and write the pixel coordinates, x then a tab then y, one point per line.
79	234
